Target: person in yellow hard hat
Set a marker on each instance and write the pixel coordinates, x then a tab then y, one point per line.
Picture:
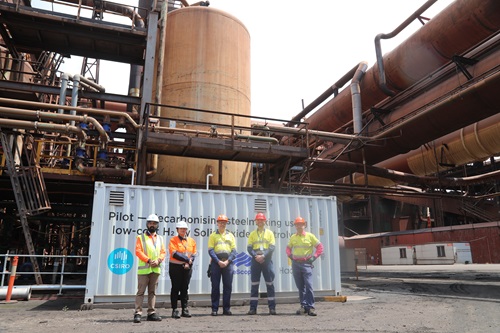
182	254
261	244
303	249
222	251
150	251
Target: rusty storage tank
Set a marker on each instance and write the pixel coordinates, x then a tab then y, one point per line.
206	67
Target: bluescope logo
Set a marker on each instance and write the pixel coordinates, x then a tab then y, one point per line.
242	261
120	261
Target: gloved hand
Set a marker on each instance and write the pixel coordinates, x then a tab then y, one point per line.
311	260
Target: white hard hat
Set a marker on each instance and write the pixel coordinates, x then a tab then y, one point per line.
153	218
181	224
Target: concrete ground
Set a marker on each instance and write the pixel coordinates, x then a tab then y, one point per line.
416	299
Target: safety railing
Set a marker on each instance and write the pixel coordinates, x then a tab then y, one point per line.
58	270
217	124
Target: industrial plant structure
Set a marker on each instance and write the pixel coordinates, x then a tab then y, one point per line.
411	143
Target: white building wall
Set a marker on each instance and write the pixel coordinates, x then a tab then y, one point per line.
434	254
392	255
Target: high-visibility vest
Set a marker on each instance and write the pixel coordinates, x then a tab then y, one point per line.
260	241
185	246
222	244
152	251
302	246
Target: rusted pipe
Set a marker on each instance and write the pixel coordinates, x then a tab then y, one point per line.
108	172
402	177
256	138
36	125
57	117
462	25
423	114
84	81
333	90
16	102
382	81
326	136
112	7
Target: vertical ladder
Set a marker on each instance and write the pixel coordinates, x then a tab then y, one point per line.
29	191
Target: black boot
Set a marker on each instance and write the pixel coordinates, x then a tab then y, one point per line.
185	313
175	314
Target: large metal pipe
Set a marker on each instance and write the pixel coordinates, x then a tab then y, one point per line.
18	293
332	90
356	97
17	102
478	100
64	88
36	125
57	117
378	49
112	7
403	177
476	142
108	172
457	28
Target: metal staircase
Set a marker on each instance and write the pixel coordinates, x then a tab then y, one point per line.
477	212
28	185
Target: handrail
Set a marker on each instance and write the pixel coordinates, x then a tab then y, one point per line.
54	272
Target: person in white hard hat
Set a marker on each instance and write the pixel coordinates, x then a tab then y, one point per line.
150	251
180	268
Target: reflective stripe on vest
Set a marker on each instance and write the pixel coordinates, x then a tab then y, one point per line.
152	251
303	246
187	246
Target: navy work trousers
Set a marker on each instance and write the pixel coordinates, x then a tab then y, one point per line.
302	274
267	270
227	285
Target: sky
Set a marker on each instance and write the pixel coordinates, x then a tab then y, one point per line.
300	48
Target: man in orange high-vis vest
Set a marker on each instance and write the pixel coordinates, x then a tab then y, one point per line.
150	251
180	268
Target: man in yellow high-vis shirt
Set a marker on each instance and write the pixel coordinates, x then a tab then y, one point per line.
303	249
222	251
150	251
260	246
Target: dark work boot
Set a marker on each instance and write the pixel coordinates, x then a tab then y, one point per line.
153	317
185	313
175	314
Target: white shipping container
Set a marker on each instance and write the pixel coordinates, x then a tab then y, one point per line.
463	254
397	255
435	254
119	215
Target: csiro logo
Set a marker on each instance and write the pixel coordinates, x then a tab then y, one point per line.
120	261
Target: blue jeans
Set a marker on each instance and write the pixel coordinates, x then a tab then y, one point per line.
266	269
302	274
227	285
